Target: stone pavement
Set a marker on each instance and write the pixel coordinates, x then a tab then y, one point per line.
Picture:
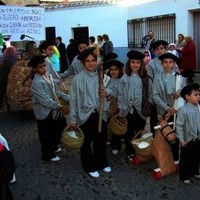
66	180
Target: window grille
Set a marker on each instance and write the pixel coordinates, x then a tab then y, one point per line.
163	27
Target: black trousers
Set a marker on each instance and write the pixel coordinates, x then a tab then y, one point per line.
189	160
49	132
93	150
116	141
153	119
5	193
135	124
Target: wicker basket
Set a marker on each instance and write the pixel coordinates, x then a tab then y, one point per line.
146	151
72	142
113	107
118	125
27	106
65	104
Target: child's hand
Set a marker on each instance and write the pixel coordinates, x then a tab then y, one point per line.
73	125
183	144
103	93
176	95
120	114
171	110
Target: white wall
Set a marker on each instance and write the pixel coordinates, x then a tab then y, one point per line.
184	23
111	20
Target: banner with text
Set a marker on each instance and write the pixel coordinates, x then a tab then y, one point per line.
22	23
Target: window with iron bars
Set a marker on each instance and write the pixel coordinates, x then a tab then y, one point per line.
163	27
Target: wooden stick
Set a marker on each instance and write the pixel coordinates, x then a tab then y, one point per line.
59	78
101	87
175	101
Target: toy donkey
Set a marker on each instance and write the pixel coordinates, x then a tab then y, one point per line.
161	150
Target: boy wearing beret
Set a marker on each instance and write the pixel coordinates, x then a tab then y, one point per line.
47	109
154	67
188	133
164	91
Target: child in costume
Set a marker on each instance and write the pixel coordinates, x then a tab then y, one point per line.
47	49
47	109
84	112
164	91
154	67
55	59
130	97
114	67
172	49
188	133
76	66
147	57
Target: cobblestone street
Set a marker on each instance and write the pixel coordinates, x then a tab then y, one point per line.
39	180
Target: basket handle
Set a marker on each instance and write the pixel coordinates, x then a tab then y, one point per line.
138	134
117	116
68	127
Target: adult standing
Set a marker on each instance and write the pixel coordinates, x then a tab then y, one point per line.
107	46
72	50
100	41
149	41
181	41
63	57
180	44
188	59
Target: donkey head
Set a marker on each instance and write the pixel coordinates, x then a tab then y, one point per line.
165	129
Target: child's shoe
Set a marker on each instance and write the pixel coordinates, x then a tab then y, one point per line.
94	174
197	176
58	150
115	152
188	182
55	159
107	169
130	157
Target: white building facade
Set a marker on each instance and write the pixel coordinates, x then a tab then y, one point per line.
126	24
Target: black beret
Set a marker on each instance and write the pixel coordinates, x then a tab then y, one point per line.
168	55
157	43
137	55
85	53
188	88
36	60
110	56
113	62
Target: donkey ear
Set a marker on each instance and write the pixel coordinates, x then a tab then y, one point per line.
160	118
167	116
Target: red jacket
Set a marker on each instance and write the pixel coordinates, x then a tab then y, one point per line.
188	59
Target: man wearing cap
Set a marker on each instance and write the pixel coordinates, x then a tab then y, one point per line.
188	133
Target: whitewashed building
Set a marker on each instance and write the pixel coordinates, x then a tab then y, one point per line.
126	25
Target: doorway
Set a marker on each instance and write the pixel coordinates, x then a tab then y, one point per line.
50	34
81	34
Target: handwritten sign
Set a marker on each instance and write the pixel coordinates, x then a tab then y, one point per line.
17	21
